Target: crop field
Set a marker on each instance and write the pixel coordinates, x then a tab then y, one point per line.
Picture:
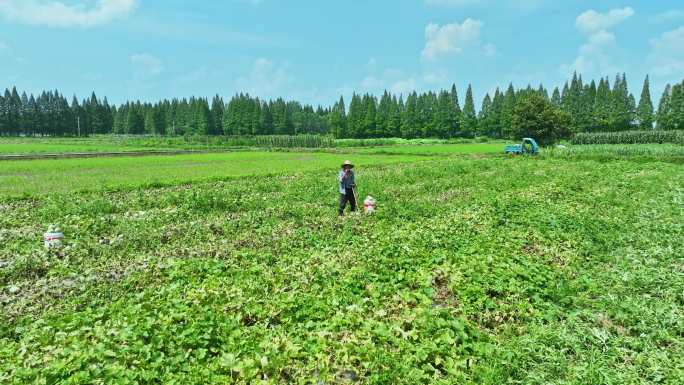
46	176
437	149
56	146
234	268
112	143
47	148
673	153
21	178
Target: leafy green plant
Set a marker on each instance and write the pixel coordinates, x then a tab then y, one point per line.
474	270
630	137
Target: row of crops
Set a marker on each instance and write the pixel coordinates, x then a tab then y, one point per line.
281	141
287	141
630	137
672	153
284	141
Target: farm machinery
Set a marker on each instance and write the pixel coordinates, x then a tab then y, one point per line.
528	146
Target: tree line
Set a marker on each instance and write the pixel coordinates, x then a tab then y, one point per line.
591	107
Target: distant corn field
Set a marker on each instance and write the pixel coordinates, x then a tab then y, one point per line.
630	137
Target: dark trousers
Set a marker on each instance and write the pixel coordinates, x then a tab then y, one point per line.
348	196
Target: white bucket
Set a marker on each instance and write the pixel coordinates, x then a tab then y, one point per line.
53	238
369	205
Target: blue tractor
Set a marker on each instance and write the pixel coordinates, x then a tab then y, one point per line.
528	146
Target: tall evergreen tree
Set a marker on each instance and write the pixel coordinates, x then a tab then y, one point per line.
486	118
382	118
266	119
556	97
337	119
24	118
469	117
369	115
496	110
217	110
457	112
507	108
409	127
355	117
444	116
150	127
602	107
13	110
676	107
135	123
663	109
622	112
645	109
394	124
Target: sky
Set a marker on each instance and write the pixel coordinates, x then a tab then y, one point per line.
316	50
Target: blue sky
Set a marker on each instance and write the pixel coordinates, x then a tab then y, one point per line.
313	51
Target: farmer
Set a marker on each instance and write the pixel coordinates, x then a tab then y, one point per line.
347	185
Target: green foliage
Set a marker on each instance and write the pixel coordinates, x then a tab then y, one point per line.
468	117
536	117
482	270
591	107
671	153
630	137
645	110
299	141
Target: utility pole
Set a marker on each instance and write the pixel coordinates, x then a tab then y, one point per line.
78	125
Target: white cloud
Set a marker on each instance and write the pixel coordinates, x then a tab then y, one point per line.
266	79
59	14
592	21
673	14
595	56
667	54
450	3
404	86
451	38
146	65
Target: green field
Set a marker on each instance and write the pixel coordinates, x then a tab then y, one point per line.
437	149
57	148
12	146
476	269
673	153
49	176
112	143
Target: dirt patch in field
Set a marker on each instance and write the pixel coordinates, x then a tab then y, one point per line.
443	296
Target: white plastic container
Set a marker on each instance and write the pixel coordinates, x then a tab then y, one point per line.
53	237
369	205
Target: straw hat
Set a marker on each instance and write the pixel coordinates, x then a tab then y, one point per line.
347	163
